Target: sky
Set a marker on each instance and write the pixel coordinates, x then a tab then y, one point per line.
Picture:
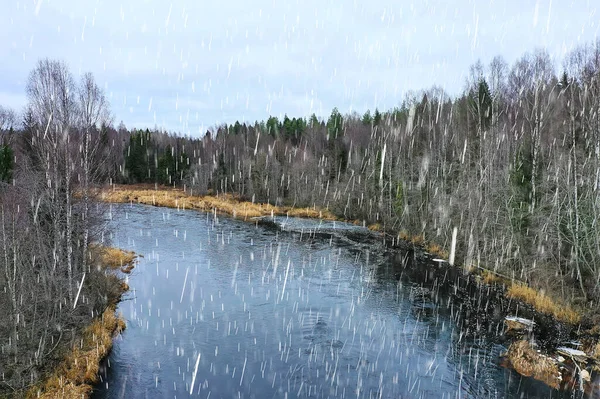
185	66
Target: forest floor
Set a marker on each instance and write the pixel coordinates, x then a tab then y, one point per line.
76	375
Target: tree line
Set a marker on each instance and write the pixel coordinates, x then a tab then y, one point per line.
51	158
512	162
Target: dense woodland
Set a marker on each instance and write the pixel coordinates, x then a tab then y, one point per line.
513	163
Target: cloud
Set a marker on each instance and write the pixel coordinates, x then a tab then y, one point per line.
204	63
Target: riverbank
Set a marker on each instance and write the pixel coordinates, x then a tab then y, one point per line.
571	319
75	376
233	206
225	205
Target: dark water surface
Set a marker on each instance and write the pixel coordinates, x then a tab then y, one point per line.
243	311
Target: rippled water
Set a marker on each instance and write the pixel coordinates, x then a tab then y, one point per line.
221	308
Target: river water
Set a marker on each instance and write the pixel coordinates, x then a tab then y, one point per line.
222	308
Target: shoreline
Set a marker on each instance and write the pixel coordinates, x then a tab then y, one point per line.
75	376
232	206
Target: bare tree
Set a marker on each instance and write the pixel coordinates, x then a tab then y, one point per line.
94	114
51	93
8	118
531	84
498	72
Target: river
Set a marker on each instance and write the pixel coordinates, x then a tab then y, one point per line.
222	308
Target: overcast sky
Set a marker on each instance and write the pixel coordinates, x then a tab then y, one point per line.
188	65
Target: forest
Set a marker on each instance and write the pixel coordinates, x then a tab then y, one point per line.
51	285
512	163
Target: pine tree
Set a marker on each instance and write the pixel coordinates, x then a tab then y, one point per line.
377	118
6	163
367	119
166	172
334	124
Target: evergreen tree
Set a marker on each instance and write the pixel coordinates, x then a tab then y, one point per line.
273	126
481	105
166	172
314	121
6	163
335	124
139	162
377	118
367	119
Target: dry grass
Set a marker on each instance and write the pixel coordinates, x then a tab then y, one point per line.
418	239
594	331
490	277
403	235
116	258
528	362
431	247
437	250
593	350
375	227
74	377
542	303
595	353
224	204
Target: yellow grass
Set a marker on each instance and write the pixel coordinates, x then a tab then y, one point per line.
431	247
542	303
224	204
490	277
418	239
528	362
74	377
116	258
437	250
595	354
375	227
403	235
